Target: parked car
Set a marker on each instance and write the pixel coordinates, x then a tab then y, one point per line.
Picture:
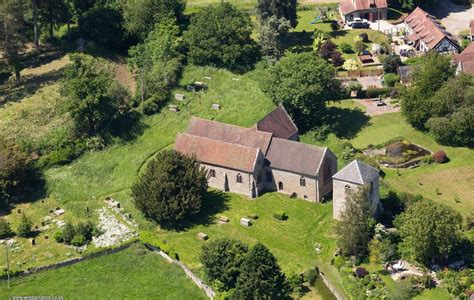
360	25
381	103
357	20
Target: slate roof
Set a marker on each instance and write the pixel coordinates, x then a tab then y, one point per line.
295	157
466	59
217	153
349	6
357	172
427	28
279	123
229	133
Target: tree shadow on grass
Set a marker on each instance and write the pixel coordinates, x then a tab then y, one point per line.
338	33
303	40
346	122
128	126
213	203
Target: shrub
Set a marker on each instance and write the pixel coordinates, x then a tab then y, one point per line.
280	216
440	157
311	275
350	65
78	240
68	233
58	236
390	79
5	229
361	272
364	37
427	160
150	238
334	25
359	46
339	262
391	63
346	48
296	283
336	58
24	229
394	93
377	92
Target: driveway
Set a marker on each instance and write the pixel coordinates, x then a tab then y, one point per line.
371	108
454	17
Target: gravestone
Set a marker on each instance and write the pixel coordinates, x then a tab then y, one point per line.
202	236
216	106
179	97
245	222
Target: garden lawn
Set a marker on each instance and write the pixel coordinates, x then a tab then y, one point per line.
134	273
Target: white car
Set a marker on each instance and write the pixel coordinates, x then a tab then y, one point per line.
357	20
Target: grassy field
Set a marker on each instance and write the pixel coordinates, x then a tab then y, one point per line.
134	273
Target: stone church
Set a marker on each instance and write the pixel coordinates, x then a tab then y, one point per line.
264	158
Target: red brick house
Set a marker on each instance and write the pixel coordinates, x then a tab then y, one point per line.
371	10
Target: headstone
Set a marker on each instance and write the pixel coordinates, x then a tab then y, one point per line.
235	79
245	222
224	219
179	97
33	242
202	236
173	108
216	106
207	77
191	88
19	210
59	211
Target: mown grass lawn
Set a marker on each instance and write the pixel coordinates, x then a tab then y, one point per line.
134	273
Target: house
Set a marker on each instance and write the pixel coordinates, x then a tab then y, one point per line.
371	10
250	162
352	177
425	33
465	60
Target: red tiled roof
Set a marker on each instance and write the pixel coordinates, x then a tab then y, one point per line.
466	59
299	158
217	153
426	28
229	133
279	123
349	6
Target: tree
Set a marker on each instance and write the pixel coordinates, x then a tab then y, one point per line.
171	189
103	25
327	49
24	229
17	171
219	35
410	4
319	39
157	61
67	232
430	232
353	230
141	15
391	63
5	229
222	259
266	9
88	86
52	12
303	83
428	77
12	23
261	277
272	33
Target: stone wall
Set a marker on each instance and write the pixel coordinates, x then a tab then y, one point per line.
339	196
291	184
326	171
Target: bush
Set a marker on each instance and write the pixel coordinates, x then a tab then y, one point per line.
311	275
391	63
440	157
339	262
334	25
280	216
377	92
361	272
5	229
68	233
151	239
346	48
336	58
24	229
359	46
296	283
390	79
58	236
364	37
78	240
427	160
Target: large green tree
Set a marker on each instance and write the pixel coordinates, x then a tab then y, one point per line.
222	259
261	276
428	77
12	33
277	8
141	15
157	61
353	230
430	232
303	83
171	188
103	25
411	4
17	171
220	35
272	33
91	96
